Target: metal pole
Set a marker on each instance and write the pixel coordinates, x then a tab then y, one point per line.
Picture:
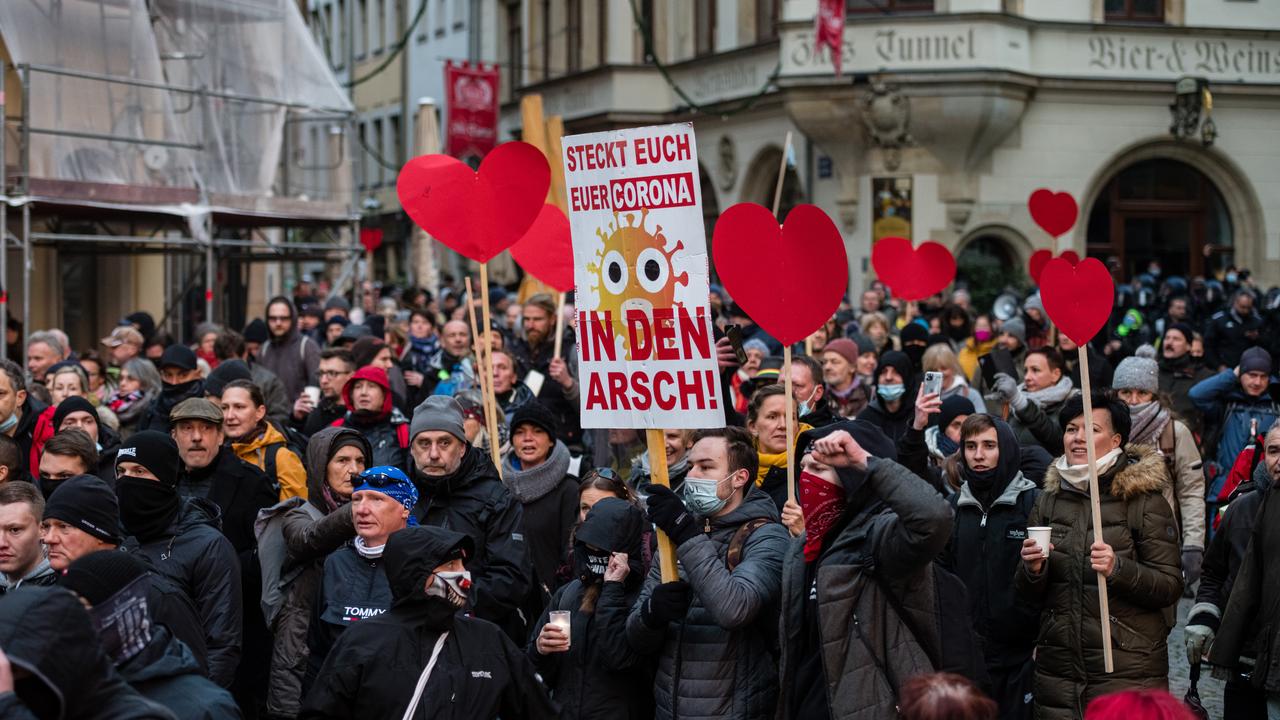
4	219
24	135
26	278
208	268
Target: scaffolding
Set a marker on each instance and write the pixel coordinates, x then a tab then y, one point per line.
208	129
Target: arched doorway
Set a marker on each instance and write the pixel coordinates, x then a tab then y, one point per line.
1161	211
762	181
710	212
987	265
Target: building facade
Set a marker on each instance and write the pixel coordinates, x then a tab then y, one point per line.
947	115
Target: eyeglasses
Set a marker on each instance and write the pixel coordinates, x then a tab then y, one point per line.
334	373
279	318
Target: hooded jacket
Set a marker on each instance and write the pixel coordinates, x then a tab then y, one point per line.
718	662
841	634
1177	377
599	677
166	673
388	432
1146	581
42	575
894	423
352	589
39	628
375	665
985	550
294	537
197	558
294	358
548	495
473	501
291	477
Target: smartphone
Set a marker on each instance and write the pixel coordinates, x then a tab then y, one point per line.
1003	362
932	383
734	333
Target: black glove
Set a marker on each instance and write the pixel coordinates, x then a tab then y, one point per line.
669	514
668	602
1192	558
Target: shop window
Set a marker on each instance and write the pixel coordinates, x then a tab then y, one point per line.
573	35
515	45
766	19
1135	10
889	6
704	26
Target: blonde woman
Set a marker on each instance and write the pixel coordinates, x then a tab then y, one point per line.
941	358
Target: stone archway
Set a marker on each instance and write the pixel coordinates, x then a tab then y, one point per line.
991	259
760	182
1243	207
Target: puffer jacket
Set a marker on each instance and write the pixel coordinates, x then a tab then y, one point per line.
837	609
1146	582
290	476
1227	408
719	661
38	627
294	537
166	673
202	562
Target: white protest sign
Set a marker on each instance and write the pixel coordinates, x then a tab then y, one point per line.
646	349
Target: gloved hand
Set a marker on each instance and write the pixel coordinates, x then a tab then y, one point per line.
1006	391
1192	558
1198	637
667	603
669	514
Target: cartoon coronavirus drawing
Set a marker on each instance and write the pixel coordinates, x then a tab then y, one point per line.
634	271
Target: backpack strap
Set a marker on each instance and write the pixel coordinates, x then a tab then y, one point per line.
269	463
738	543
1169	446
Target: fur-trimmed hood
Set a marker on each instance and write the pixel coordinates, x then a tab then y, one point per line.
1140	470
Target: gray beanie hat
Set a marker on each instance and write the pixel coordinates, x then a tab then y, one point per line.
1139	372
1015	327
438	412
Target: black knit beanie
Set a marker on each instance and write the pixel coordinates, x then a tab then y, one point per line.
154	451
87	503
74	403
99	575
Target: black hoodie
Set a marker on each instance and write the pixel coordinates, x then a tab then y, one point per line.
373	669
46	632
294	358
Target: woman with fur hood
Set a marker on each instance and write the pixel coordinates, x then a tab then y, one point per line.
1139	556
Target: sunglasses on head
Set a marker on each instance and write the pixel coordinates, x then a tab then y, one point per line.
380	480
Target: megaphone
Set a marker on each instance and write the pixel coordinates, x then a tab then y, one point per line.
1006	306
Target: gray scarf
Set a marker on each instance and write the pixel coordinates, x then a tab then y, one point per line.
530	485
1052	395
1148	420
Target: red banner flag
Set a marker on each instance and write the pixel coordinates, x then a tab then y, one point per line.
830	29
472	128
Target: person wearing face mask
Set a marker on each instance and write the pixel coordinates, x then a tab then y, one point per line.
1179	372
893	406
846	647
915	340
180	538
1138	556
976	347
422	658
19	410
991	511
812	407
180	377
715	623
293	538
1154	426
114	586
1035	403
590	669
767	423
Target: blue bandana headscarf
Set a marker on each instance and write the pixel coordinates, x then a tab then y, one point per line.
392	482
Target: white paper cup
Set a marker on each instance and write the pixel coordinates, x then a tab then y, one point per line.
313	392
1041	535
560	618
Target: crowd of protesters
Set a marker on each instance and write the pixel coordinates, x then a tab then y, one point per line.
301	518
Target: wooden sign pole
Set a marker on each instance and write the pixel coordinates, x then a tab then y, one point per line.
491	418
786	351
559	337
658	475
1095	505
484	372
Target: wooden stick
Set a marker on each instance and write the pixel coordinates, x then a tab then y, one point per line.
782	174
555	353
658	476
791	423
808	347
485	378
490	417
1096	505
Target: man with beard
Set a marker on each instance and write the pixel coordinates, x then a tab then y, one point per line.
847	393
1179	372
368	396
559	389
292	356
464	667
461	490
181	378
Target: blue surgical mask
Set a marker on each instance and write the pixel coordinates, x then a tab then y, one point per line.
889	393
7	425
700	496
1232	277
805	408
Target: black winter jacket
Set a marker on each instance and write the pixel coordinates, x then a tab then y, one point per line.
239	490
167	673
46	632
892	424
198	559
473	501
353	589
157	415
375	666
1226	551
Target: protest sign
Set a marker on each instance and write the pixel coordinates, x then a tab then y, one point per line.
646	348
1040	258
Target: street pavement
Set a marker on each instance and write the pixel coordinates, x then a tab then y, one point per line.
1210	689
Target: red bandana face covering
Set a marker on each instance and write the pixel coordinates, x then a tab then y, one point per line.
822	504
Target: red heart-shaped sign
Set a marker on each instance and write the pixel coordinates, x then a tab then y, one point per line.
371	238
1055	212
478	214
1078	298
913	273
546	250
1040	258
789	279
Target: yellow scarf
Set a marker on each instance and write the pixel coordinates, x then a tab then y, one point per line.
769	461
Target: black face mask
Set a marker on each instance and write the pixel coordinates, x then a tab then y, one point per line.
178	389
958	333
589	566
147	507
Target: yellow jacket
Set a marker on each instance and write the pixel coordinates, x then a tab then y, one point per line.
970	353
290	473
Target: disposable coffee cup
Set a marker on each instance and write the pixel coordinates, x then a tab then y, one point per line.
313	393
560	618
1041	536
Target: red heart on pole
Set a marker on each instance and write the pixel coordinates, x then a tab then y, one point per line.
1056	213
371	238
789	279
477	213
546	250
913	273
1040	258
1077	298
